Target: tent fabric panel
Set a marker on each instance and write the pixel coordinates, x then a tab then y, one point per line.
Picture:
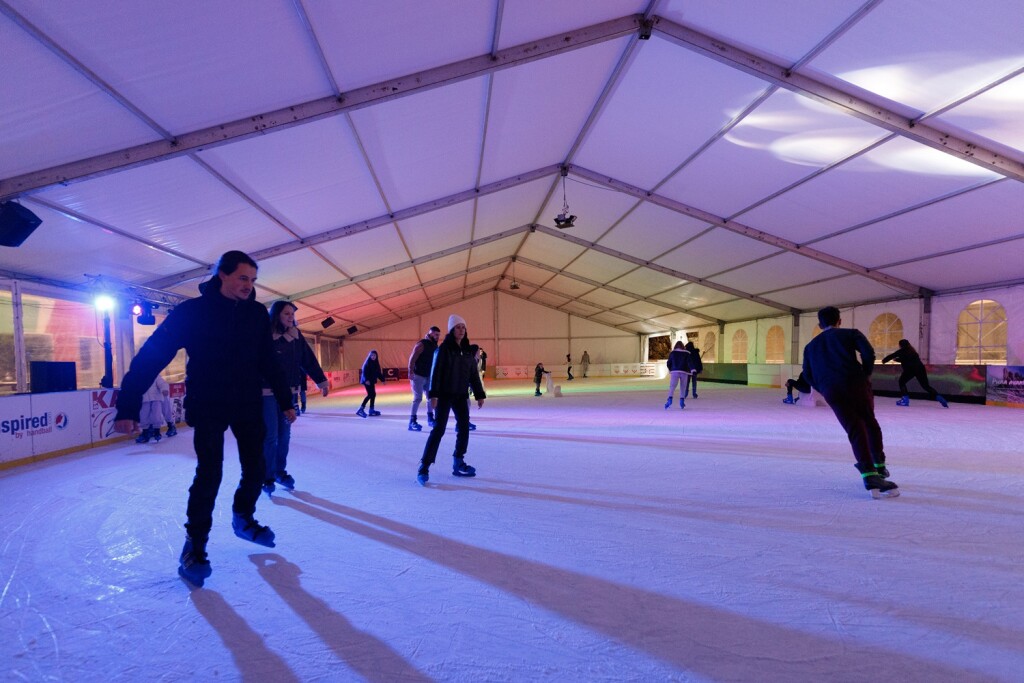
510	208
176	204
693	295
837	292
611	318
582	328
651	230
598	266
715	251
81	119
534	113
406	139
441	267
313	176
519	319
925	59
643	144
403	36
784	140
365	252
787	35
1000	263
967	219
252	62
549	250
569	286
438	230
485	253
778	272
394	281
738	309
606	298
859	191
994	114
528	20
643	309
647	282
296	271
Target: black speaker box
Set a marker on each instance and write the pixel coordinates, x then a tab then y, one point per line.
50	376
352	330
16	224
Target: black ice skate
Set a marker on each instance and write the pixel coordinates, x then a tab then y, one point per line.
415	426
286	480
248	528
461	469
193	565
172	429
876	485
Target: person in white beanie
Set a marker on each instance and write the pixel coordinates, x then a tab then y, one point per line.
453	374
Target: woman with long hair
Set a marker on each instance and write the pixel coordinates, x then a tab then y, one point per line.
913	368
369	375
297	361
452	376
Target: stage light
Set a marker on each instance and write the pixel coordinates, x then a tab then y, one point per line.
327	322
565	219
104	303
136	308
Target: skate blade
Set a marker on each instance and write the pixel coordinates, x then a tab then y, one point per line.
191	581
893	493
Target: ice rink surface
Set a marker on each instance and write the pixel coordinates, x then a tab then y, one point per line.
604	539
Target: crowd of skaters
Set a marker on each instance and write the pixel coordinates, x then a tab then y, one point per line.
247	369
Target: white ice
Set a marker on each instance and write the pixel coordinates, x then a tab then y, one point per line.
604	539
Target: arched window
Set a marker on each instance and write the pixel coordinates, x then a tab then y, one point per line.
884	334
775	345
739	346
981	333
709	351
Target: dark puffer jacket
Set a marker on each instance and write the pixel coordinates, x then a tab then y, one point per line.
454	370
229	353
296	359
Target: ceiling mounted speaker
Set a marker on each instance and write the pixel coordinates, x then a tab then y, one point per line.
352	330
327	322
16	224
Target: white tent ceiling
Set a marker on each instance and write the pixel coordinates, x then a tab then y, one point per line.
727	160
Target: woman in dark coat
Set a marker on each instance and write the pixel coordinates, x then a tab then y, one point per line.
913	368
369	375
452	375
297	361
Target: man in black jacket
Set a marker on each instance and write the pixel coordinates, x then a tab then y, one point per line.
831	367
226	334
419	374
452	375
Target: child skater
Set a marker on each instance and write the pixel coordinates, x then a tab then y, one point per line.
913	368
151	417
369	375
679	367
538	377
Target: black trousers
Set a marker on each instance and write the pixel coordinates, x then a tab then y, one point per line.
371	395
922	378
445	404
208	439
690	377
854	407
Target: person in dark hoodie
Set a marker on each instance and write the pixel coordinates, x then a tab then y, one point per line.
679	367
369	375
297	360
696	367
831	367
913	368
452	375
226	334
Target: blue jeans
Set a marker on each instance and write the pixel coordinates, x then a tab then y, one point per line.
277	439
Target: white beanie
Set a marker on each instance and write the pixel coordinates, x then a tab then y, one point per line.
453	320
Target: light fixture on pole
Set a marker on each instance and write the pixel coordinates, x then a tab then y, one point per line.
565	219
106	304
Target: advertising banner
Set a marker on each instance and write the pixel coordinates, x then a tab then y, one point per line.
15	443
1005	385
101	413
58	421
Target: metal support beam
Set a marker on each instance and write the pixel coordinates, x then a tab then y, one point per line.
315	110
561	234
616	290
20	359
873	113
747	231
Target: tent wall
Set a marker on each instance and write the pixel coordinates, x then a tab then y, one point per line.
527	333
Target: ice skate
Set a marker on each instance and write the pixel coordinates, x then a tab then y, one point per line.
942	400
156	434
882	470
536	393
430	419
268	486
876	485
172	429
374	413
668	403
415	426
144	436
286	480
461	469
248	528
905	401
682	403
193	565
422	476
361	413
788	400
